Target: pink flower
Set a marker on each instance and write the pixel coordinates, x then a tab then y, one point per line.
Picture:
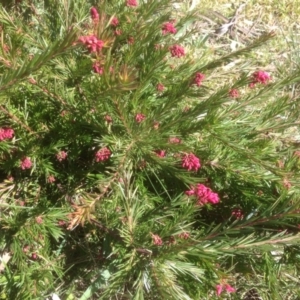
184	235
297	153
234	93
177	51
108	119
160	153
219	289
39	220
114	21
97	68
94	14
237	213
286	183
140	118
156	240
92	43
174	140
26	163
203	194
51	179
191	162
259	77
103	154
132	3
118	32
34	256
168	28
227	287
130	40
6	133
160	87
61	155
199	77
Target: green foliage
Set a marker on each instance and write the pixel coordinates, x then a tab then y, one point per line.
92	198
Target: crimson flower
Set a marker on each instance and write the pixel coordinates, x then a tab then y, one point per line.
177	51
94	14
102	155
191	162
168	28
26	163
132	3
140	118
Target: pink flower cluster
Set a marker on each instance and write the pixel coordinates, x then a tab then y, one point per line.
140	118
199	77
160	87
91	42
114	21
191	162
156	239
174	140
97	68
177	51
260	77
234	93
160	153
237	213
102	155
6	133
26	163
168	28
226	287
132	3
184	235
203	194
94	14
61	155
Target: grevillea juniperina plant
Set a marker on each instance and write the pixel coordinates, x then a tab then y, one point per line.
129	168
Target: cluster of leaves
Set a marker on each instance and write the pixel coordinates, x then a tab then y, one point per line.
80	223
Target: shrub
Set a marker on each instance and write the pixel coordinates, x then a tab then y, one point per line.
132	166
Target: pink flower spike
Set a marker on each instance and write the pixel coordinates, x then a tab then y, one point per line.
26	163
94	14
132	3
103	154
219	289
114	21
168	28
229	288
177	51
191	162
140	118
